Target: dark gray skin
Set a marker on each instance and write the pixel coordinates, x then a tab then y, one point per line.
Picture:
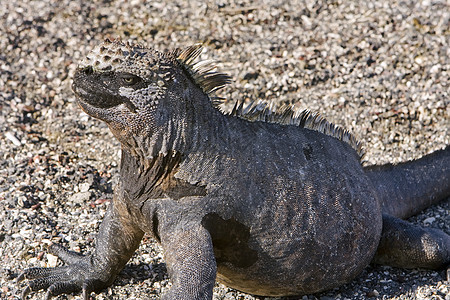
268	209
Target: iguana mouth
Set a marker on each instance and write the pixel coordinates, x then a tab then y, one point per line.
89	89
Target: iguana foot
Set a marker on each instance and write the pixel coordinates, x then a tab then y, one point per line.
77	275
406	245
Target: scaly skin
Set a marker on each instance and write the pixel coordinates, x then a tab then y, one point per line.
272	203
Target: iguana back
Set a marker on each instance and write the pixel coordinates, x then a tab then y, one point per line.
310	216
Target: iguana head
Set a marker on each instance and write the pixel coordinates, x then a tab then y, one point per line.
136	90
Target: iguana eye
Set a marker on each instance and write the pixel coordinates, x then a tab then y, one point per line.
129	79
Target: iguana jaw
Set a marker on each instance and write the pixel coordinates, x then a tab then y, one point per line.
99	96
91	91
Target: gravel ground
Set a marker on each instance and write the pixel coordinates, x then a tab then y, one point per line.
380	69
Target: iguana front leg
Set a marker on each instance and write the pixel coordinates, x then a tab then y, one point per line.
190	262
116	242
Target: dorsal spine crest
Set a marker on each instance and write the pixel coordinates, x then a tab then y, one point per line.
202	72
289	115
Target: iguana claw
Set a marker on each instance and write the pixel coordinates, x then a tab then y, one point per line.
75	276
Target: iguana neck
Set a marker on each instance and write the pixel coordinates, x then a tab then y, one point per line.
182	133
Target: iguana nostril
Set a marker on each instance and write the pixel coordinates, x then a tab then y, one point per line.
88	70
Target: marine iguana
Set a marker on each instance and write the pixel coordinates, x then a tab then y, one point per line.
268	202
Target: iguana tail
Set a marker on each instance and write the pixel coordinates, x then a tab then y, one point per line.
407	188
